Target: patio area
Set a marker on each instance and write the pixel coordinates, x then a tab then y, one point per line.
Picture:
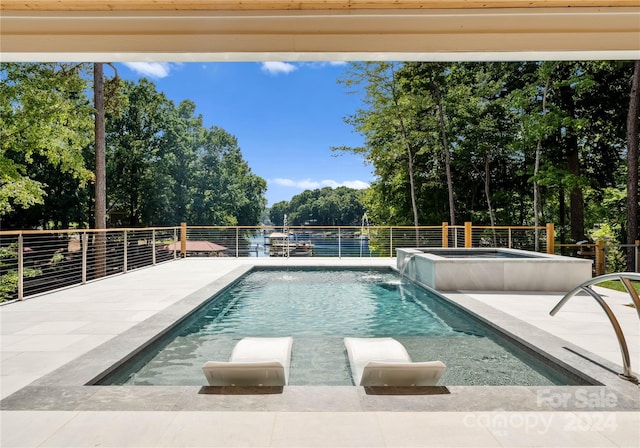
44	404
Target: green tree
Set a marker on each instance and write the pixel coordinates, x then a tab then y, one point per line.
277	212
183	139
388	124
340	206
134	159
45	117
525	141
225	190
436	96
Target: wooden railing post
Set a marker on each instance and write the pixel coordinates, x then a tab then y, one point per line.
445	234
468	234
183	239
551	238
600	262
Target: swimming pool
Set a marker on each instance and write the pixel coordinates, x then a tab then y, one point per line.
318	307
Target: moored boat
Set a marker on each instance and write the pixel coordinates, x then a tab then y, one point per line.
281	245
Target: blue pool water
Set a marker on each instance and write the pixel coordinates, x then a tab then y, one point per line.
319	308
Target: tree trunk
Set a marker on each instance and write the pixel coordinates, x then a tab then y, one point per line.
407	144
536	170
562	211
101	182
414	205
487	193
632	165
412	185
576	200
447	154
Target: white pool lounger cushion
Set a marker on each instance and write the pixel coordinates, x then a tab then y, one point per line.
253	362
385	362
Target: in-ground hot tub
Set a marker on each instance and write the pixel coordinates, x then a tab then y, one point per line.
448	269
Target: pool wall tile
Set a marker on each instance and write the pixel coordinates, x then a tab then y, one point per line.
192	400
156	398
48	398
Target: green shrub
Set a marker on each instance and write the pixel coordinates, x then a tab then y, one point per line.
9	283
614	257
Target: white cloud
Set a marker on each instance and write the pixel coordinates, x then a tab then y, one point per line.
284	182
151	69
356	184
276	67
308	184
324	64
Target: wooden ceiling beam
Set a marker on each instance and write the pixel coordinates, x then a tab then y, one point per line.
280	5
177	30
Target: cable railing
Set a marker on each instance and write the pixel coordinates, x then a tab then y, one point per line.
37	261
34	262
607	258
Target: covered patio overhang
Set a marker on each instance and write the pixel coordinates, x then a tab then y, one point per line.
263	30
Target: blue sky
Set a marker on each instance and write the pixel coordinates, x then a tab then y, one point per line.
286	117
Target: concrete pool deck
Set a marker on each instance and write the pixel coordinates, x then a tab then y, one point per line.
47	332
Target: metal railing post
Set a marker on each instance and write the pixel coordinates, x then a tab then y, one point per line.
153	247
510	243
183	239
637	243
85	249
390	242
339	243
175	240
20	268
237	242
124	264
